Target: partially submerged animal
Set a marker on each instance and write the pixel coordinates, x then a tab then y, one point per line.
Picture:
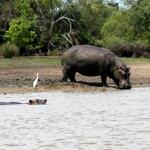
37	102
31	102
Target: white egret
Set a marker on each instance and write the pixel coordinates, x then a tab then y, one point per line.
35	83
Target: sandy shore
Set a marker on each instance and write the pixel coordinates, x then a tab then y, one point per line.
19	80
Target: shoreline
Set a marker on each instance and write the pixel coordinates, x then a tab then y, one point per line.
20	79
66	88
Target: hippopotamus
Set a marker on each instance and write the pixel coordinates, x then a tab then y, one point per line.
31	102
95	61
37	102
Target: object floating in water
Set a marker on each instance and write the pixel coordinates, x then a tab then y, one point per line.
31	102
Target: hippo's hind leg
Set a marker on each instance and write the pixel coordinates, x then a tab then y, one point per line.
68	72
65	73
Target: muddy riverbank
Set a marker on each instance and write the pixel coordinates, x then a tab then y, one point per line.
20	79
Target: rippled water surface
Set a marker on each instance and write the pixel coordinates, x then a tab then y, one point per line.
118	120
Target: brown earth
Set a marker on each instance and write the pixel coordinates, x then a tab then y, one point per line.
16	80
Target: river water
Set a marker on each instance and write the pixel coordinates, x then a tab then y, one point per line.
116	120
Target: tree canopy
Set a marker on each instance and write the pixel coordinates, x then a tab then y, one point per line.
59	24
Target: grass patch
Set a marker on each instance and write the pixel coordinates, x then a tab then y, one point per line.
136	60
29	61
21	62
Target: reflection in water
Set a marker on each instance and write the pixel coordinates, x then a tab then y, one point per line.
118	120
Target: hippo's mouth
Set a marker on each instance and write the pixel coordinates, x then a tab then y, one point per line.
125	86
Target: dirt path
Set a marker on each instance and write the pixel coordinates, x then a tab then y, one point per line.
21	79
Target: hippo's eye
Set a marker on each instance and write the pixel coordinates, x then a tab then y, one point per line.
122	72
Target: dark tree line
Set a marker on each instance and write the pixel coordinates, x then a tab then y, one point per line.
45	25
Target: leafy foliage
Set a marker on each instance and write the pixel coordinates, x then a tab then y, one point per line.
21	30
141	21
135	49
21	33
46	25
117	29
93	15
9	50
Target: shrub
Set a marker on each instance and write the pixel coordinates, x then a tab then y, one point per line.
131	49
8	50
21	32
146	55
55	53
117	29
112	41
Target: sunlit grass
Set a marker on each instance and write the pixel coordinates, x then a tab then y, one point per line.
135	60
29	61
50	60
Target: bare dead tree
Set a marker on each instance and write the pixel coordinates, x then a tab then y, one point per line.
71	35
70	28
61	18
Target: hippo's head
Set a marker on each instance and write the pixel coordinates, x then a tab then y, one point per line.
122	77
37	102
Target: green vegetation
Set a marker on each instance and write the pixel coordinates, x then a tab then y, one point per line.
117	30
135	60
8	50
21	62
42	26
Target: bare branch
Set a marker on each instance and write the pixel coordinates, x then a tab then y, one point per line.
66	18
61	18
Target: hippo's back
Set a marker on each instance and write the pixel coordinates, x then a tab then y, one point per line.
87	60
86	49
85	53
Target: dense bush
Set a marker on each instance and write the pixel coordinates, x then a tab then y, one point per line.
117	29
20	32
131	50
55	53
46	25
8	50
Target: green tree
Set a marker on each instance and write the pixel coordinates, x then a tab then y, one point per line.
141	20
21	33
21	30
117	29
46	11
7	12
93	14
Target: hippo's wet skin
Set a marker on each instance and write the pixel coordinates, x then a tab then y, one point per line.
94	61
31	102
37	102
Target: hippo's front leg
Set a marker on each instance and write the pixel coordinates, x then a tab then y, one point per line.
104	80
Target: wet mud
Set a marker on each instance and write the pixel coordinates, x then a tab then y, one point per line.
21	79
